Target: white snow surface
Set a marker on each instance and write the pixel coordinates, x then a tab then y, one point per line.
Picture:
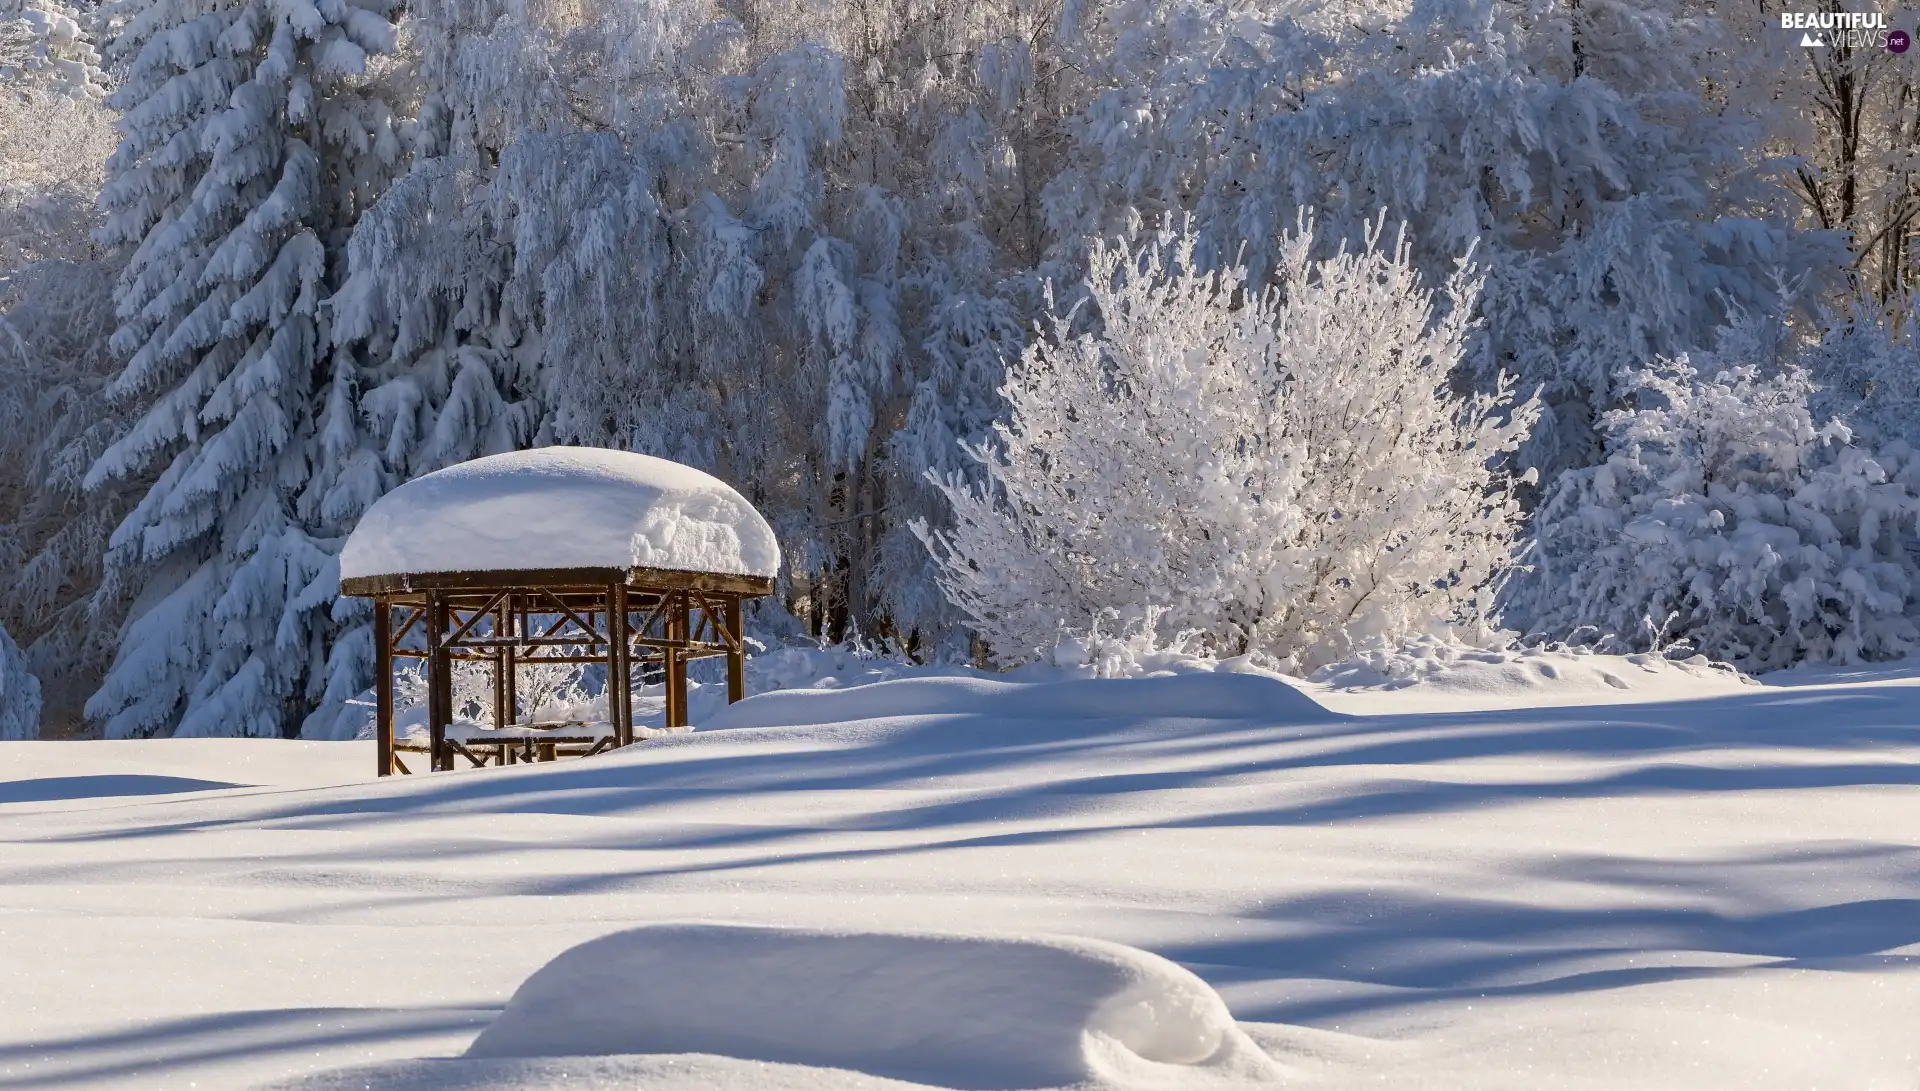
617	508
1714	887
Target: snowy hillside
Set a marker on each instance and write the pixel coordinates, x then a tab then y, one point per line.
966	882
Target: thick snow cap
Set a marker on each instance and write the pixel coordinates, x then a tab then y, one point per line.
562	507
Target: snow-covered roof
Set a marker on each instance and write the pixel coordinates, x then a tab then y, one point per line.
562	507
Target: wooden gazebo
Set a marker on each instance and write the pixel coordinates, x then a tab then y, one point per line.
556	555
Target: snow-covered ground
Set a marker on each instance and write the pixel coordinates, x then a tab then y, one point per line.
978	883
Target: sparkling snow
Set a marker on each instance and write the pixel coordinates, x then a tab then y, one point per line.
1715	889
617	509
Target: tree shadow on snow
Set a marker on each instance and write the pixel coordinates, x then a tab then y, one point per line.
51	789
1417	950
171	1050
1038	781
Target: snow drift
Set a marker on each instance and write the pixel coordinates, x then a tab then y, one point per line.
1434	675
1204	696
562	507
954	1010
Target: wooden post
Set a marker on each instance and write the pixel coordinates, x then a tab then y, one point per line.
676	662
439	683
383	686
502	712
736	652
619	667
510	656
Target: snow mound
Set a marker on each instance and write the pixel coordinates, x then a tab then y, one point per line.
954	1010
1205	696
562	507
1436	674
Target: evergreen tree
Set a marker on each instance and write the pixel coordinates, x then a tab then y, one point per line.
19	694
55	317
250	147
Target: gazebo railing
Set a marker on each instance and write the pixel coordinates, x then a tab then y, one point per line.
509	620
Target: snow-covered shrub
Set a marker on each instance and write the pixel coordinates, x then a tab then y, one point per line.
19	693
53	155
1284	471
44	44
1133	649
1726	518
1866	371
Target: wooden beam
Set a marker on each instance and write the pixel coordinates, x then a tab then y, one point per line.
586	623
439	683
455	746
414	616
473	615
676	662
582	579
509	665
383	687
619	666
736	653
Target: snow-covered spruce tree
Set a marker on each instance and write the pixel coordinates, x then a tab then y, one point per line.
431	364
249	149
1619	207
19	693
1284	470
56	314
1726	518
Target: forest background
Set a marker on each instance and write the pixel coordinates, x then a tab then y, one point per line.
262	260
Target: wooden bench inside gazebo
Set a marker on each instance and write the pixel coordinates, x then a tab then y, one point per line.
565	555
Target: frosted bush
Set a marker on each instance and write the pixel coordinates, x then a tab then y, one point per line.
1866	371
44	44
1724	517
1134	649
1281	471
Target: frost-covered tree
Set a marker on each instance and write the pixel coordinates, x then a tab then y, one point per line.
1866	371
56	314
1620	208
1283	469
19	693
790	246
1845	121
1727	517
798	245
250	147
